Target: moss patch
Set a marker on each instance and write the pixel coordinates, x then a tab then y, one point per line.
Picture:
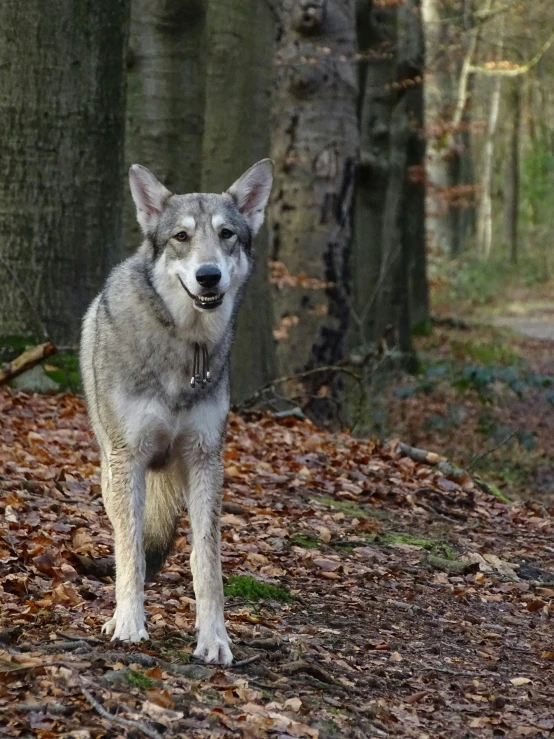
139	679
63	369
400	537
350	509
305	541
244	586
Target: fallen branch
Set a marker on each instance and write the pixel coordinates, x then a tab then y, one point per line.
419	455
126	723
26	361
453	567
292	668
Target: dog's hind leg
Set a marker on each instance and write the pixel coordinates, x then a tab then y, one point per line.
124	490
204	480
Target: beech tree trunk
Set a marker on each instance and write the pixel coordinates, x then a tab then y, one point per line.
389	263
165	97
511	187
240	42
440	86
62	122
315	147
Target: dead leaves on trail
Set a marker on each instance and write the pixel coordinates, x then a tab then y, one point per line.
378	634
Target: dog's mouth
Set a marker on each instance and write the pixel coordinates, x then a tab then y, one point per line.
209	300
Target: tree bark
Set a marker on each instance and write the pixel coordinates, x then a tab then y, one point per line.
315	147
240	41
511	187
439	108
62	118
484	230
389	263
165	97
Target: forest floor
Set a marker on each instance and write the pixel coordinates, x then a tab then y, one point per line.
368	595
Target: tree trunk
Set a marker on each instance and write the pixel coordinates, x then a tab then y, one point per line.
511	188
62	117
240	43
484	230
315	146
439	108
165	97
484	223
389	263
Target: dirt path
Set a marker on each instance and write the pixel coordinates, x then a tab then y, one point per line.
535	320
380	628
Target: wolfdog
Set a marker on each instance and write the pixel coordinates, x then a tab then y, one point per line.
155	364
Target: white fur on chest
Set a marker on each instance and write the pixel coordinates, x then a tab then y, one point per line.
151	427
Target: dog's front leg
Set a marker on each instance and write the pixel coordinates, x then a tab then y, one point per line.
205	477
124	499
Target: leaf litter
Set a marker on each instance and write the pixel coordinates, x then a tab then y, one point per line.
380	635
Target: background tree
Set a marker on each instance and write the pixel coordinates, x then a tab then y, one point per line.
389	262
62	118
165	96
314	146
240	39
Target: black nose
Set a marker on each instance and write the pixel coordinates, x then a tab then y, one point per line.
208	275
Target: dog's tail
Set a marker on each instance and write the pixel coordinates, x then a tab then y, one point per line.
164	501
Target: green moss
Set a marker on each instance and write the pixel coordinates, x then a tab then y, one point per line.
350	509
244	586
305	541
498	493
63	369
487	353
139	679
431	545
423	328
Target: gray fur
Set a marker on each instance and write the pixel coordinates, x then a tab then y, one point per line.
161	440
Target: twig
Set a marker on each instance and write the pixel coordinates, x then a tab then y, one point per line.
247	661
486	453
124	722
79	637
26	361
291	668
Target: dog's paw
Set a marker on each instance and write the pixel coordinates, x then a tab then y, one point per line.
129	629
214	647
109	626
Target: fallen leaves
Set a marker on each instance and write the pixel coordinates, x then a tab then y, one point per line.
342	526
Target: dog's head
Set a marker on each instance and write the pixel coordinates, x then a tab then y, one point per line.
201	244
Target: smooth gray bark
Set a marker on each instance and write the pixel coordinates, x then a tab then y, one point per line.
62	121
512	178
240	42
165	97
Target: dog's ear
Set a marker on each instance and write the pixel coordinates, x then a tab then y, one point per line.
149	195
251	193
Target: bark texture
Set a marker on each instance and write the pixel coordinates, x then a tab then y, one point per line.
165	97
240	39
389	265
62	123
315	147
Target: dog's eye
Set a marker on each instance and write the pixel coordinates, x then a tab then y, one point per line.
226	233
181	236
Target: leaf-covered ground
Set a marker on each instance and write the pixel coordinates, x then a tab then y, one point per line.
409	602
484	397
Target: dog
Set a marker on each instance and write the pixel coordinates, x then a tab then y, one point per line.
155	366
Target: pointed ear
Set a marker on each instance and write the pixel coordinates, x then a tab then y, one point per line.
150	197
251	193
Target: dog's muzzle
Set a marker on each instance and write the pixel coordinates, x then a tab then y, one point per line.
209	300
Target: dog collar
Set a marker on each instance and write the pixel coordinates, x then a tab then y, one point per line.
197	377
